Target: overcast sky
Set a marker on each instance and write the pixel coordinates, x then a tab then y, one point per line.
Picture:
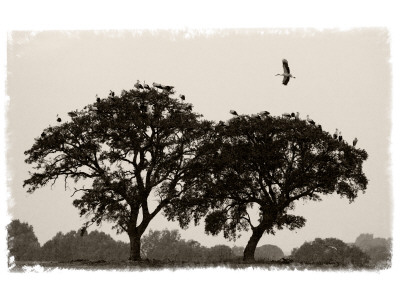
342	81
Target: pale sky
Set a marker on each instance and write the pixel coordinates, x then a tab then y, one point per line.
336	86
342	81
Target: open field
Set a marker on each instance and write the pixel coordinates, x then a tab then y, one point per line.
154	265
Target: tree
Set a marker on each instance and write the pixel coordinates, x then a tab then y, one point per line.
22	241
89	246
329	251
168	245
268	252
117	153
266	164
378	249
219	253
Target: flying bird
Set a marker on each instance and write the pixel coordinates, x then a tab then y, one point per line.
355	142
233	112
286	72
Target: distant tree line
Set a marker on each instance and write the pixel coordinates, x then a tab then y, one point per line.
167	245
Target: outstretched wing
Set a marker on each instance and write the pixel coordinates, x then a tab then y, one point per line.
285	80
285	66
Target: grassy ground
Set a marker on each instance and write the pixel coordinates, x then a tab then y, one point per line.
146	265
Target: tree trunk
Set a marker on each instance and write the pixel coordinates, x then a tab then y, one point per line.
134	240
251	246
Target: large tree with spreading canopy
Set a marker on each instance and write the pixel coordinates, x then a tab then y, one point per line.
119	153
266	164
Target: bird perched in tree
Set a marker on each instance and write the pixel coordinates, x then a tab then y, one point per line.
112	94
292	115
137	85
233	112
286	115
310	120
157	85
146	86
58	119
43	135
97	98
286	72
265	113
297	115
72	114
168	88
319	127
182	97
335	135
340	136
355	142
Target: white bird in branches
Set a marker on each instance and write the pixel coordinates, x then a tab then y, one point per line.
335	135
286	72
146	86
137	85
310	120
340	136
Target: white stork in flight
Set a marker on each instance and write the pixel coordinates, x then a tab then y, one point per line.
286	72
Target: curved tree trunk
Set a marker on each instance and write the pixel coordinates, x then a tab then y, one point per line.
134	240
251	246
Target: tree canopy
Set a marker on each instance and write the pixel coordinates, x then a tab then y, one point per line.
329	251
266	163
117	152
22	241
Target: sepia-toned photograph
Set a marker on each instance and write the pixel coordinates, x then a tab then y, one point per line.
237	149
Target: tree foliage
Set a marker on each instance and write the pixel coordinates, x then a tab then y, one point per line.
378	249
22	241
266	163
330	251
168	245
268	252
117	152
93	246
